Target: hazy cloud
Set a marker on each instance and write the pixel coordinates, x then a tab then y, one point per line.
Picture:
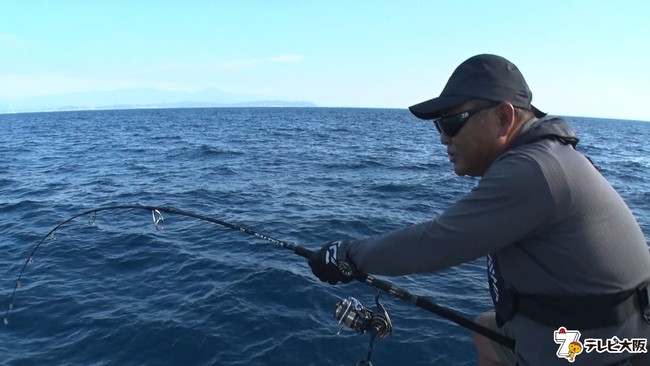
14	86
9	40
238	64
252	62
286	58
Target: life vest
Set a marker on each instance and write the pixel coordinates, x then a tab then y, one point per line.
579	311
572	311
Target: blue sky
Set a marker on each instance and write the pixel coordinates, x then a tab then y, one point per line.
580	58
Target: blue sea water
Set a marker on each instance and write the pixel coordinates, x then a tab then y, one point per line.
114	290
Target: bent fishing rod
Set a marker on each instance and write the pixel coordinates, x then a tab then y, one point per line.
365	278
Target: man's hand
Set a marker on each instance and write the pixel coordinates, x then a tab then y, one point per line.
330	264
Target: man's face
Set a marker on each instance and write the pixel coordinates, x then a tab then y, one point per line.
473	149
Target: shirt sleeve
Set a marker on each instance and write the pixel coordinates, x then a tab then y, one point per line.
511	202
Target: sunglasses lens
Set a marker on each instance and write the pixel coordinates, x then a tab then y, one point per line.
449	126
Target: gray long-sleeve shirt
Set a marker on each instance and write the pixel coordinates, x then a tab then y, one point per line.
573	233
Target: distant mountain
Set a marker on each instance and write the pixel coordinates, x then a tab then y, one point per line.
140	98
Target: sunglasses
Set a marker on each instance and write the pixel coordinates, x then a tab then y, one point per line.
451	125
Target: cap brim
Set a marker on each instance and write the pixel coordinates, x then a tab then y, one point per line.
537	112
433	108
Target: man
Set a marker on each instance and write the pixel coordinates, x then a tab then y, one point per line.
563	248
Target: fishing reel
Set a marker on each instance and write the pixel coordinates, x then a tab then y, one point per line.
351	313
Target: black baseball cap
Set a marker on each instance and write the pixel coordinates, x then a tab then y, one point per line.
488	77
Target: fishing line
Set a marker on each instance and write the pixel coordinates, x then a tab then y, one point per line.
370	280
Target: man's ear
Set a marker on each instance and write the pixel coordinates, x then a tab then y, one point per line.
507	117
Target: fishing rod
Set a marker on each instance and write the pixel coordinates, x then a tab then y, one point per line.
349	311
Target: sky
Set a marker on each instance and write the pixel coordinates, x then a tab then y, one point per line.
580	58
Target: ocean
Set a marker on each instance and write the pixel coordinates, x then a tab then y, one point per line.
113	289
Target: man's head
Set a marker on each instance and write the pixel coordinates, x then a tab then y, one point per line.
479	112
